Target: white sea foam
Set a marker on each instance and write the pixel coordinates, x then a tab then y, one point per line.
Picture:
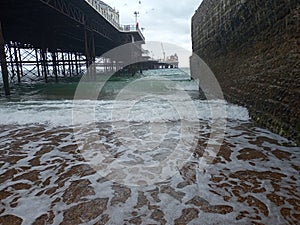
59	113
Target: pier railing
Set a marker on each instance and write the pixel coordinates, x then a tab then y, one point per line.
103	11
129	28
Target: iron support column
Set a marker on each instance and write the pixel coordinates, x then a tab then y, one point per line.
3	62
63	63
37	63
17	62
69	64
87	49
76	61
54	66
44	64
11	61
20	63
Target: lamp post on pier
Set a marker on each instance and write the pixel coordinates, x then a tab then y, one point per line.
136	13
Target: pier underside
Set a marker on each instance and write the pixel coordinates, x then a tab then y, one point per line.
55	38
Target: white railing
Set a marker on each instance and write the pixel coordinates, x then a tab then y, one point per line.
103	11
129	28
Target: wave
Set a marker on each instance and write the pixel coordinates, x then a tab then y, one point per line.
68	112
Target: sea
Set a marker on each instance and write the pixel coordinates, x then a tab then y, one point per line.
142	149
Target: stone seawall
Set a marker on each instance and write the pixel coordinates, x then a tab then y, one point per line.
253	48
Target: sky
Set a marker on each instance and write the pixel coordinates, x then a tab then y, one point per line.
167	21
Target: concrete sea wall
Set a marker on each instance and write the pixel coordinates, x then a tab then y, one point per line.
253	48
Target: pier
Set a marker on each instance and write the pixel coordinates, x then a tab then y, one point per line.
43	39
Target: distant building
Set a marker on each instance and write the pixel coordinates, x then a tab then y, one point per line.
172	58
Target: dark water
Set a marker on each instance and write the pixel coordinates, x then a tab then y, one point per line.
147	159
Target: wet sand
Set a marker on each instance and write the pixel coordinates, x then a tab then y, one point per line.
45	180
